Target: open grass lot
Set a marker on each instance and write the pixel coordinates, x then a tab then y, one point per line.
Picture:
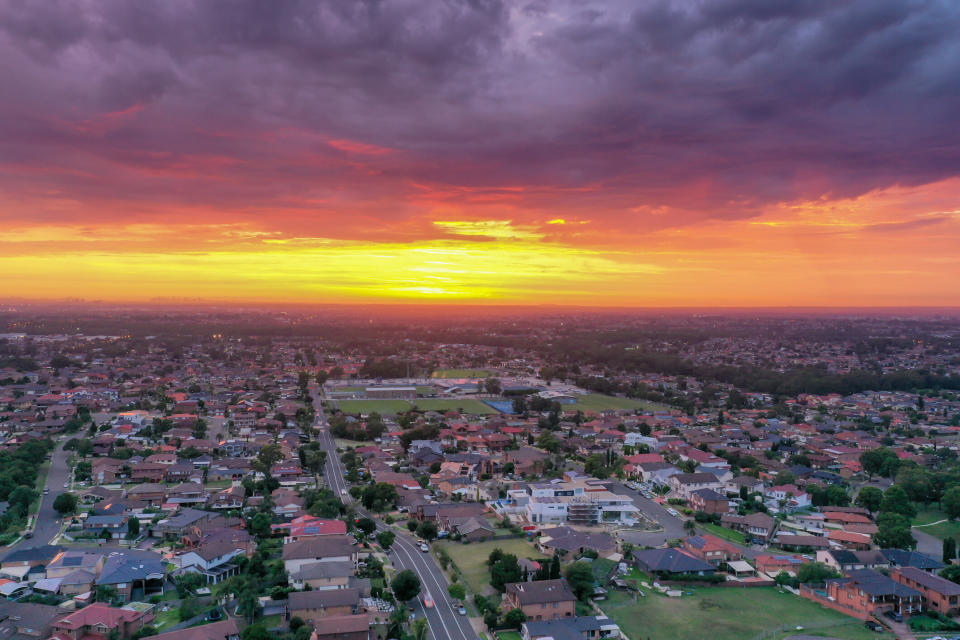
728	614
366	407
462	373
600	402
509	635
471	559
940	530
468	405
727	534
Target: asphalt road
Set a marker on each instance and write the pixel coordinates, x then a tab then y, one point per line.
442	618
672	526
47	526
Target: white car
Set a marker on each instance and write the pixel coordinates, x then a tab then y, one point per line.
424	547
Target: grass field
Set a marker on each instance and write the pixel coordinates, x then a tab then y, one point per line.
462	373
471	559
468	405
727	534
941	530
600	402
728	614
509	635
366	407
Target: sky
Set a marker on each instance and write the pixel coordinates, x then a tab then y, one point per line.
686	153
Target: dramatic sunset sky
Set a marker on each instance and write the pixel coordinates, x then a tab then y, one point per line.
643	153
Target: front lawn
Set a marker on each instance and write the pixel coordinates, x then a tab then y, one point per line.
471	558
509	635
722	532
727	614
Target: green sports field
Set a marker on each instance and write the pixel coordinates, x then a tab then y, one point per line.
467	405
600	402
462	373
366	407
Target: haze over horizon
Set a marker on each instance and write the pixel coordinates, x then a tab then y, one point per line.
686	154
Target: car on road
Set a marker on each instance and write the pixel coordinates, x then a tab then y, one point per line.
427	600
462	610
424	547
46	491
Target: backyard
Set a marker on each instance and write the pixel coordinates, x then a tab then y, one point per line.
729	614
471	559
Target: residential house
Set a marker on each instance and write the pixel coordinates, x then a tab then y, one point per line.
671	561
709	501
322	575
100	620
333	548
223	630
541	600
212	560
354	627
576	628
22	620
712	549
684	484
864	593
939	594
759	526
311	606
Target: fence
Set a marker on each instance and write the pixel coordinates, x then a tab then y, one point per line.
825	624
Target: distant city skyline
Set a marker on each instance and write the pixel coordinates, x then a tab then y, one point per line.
608	154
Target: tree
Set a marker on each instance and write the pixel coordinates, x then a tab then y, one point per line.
65	503
427	530
870	498
689	527
596	466
366	525
514	618
893	531
105	593
951	573
133	528
457	591
580	578
880	461
504	571
378	496
815	572
419	629
492	386
784	477
259	525
895	500
949	549
269	455
916	482
386	538
257	631
187	584
405	585
951	502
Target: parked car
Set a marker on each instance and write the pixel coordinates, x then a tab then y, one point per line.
873	626
893	615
